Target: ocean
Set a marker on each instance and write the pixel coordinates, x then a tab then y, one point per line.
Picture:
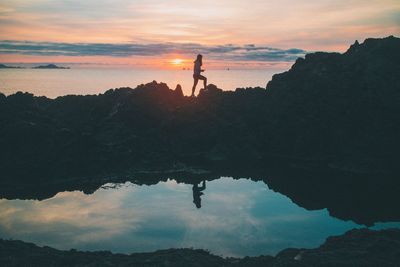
81	81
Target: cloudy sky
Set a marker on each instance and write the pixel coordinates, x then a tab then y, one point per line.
156	32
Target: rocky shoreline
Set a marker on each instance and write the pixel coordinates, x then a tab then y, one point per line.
358	247
330	110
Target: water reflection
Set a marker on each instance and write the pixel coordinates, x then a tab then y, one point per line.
238	217
197	193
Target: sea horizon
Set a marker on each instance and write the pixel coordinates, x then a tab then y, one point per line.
87	80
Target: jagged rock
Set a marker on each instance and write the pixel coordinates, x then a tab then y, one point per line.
211	90
340	107
178	90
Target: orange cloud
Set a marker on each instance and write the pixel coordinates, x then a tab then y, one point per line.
325	25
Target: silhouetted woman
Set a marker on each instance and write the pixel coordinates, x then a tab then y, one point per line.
197	73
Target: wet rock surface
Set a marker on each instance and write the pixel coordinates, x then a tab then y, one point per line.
361	247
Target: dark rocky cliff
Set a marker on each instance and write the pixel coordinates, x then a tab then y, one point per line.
341	107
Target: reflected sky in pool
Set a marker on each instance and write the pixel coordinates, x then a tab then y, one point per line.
237	218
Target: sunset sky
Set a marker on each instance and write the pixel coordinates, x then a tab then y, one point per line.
158	33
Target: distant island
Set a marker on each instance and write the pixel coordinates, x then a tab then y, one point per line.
50	66
2	66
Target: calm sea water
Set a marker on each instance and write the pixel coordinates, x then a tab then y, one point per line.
58	82
236	218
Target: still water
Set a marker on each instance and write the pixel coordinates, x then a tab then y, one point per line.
228	217
58	82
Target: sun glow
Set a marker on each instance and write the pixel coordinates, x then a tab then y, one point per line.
177	61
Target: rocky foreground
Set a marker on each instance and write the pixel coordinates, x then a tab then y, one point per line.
361	247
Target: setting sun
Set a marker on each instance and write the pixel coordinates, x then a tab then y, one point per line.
177	61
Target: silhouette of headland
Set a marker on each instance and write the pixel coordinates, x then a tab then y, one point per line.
3	66
50	66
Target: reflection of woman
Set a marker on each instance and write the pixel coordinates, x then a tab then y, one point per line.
197	194
197	73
